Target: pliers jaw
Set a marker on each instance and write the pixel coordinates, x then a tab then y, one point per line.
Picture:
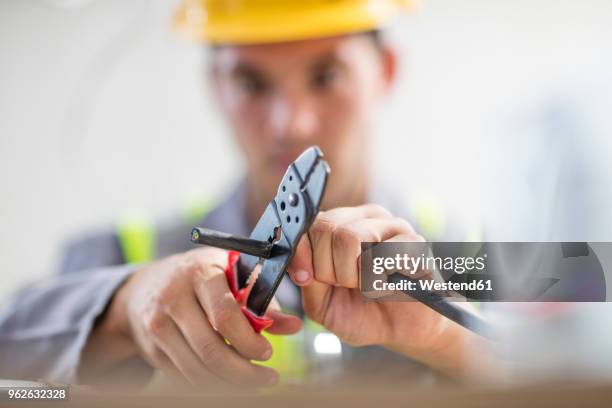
286	218
281	226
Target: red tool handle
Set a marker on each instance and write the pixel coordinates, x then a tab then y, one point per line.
257	322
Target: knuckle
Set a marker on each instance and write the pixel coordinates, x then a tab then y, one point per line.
167	301
199	277
194	269
404	225
222	313
378	210
198	254
327	278
166	295
203	273
186	267
344	239
210	353
322	226
206	256
156	322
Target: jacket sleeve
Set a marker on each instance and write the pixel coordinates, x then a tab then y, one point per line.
44	327
91	252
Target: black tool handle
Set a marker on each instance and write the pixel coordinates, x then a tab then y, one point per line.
218	239
459	315
449	308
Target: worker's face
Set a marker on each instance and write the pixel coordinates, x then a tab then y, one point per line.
282	98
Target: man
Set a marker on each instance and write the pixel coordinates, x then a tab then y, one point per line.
287	75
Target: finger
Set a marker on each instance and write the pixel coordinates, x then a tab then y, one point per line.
171	342
406	237
413	237
162	362
209	348
347	240
218	303
314	293
304	265
322	236
284	323
157	359
315	299
301	268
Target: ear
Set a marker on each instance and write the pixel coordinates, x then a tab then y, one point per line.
389	59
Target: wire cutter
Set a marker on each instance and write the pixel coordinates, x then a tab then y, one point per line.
274	239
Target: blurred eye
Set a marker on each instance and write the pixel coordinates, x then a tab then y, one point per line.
324	78
252	85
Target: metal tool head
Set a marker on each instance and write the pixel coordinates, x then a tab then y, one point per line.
286	218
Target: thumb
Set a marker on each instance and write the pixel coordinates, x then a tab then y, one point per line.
300	269
315	295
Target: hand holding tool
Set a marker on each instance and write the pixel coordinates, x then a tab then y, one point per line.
274	239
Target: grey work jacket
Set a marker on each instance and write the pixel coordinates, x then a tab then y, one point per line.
44	327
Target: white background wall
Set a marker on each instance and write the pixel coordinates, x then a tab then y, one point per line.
102	108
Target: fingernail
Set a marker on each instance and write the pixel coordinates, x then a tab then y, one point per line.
301	276
267	354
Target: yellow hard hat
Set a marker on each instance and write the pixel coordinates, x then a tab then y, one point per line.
266	21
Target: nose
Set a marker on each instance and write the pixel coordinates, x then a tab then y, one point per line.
293	118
